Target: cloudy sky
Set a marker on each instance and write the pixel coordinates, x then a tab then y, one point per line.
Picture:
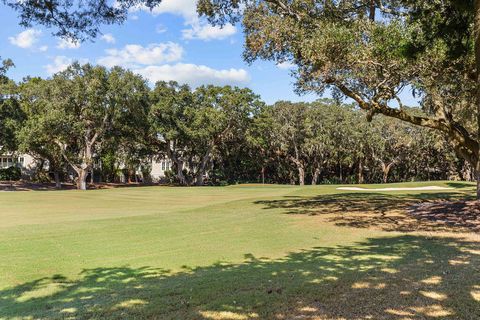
169	43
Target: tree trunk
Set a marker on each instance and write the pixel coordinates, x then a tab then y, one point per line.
180	175
82	174
477	63
179	164
386	170
361	179
315	176
203	167
199	179
372	11
58	183
300	169
301	175
263	174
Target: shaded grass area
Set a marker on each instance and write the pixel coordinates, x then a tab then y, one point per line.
399	277
448	211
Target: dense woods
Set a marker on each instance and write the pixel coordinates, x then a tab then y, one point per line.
365	51
91	120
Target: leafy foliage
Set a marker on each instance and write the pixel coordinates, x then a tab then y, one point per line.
371	51
75	19
10	174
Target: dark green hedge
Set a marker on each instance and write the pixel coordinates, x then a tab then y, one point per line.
11	174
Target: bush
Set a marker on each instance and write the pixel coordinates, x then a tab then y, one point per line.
11	174
170	177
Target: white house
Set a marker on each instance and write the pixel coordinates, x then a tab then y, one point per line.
23	161
159	167
27	164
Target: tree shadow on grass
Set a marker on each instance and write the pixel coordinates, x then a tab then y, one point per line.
402	277
388	212
460	184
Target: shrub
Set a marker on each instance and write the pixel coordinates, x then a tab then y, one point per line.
11	174
170	177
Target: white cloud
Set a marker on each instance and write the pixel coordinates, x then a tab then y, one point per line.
61	63
205	31
43	48
194	75
287	65
108	38
68	44
26	39
198	29
133	55
185	8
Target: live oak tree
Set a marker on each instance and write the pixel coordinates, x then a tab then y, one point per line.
34	136
373	50
309	137
260	140
189	126
168	121
11	115
329	137
391	141
82	106
290	134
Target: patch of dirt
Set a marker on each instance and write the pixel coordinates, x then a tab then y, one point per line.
464	214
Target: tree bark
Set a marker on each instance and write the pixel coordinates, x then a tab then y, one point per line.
316	174
172	155
199	179
301	175
82	174
477	64
180	175
263	174
372	10
340	170
300	169
202	169
386	170
179	164
361	179
56	176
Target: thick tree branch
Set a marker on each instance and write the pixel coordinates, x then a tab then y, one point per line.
454	131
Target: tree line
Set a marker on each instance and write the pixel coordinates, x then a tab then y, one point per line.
367	50
90	115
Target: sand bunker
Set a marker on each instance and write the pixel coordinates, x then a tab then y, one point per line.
395	189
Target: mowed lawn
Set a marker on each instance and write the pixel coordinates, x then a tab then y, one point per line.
238	252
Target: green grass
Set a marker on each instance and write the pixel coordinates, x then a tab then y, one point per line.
239	252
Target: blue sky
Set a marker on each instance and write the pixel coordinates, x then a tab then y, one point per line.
170	43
